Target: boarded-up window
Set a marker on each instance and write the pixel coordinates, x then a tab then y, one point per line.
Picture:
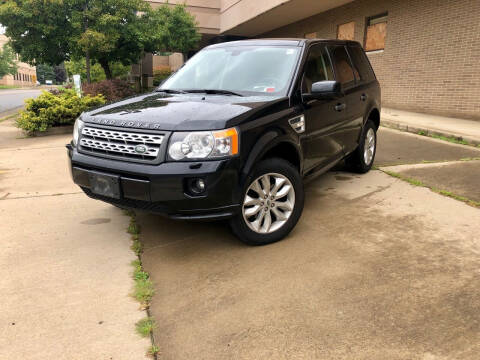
346	31
311	35
376	33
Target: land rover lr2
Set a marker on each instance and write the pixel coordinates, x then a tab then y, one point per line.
233	134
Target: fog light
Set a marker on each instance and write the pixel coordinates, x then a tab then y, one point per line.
197	186
200	184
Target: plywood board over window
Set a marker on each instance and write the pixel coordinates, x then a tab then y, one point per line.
311	35
376	33
346	31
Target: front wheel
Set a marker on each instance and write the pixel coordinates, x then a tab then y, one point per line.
272	203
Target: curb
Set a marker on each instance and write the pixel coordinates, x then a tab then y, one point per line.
428	132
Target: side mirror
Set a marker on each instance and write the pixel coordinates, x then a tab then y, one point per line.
324	90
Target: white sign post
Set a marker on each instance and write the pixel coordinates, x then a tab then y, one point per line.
78	84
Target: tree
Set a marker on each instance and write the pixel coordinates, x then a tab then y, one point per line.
8	65
172	29
60	74
77	66
45	72
105	31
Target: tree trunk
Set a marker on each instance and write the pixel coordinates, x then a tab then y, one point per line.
87	59
87	52
106	68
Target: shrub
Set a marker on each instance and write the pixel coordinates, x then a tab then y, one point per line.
49	110
112	90
161	74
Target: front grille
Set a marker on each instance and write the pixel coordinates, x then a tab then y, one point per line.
128	145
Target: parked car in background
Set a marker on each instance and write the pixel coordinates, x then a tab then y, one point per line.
233	134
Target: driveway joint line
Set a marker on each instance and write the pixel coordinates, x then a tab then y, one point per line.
37	196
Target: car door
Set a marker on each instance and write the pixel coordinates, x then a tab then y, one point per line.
353	117
322	142
365	83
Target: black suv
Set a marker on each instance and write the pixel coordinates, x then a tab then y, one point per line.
233	133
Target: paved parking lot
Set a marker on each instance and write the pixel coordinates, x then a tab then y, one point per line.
376	269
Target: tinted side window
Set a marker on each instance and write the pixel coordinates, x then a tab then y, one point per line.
343	67
361	64
317	68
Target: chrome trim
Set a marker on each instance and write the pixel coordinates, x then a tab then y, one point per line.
122	135
127	145
298	124
119	148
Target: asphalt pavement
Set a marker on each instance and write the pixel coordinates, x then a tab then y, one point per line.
15	98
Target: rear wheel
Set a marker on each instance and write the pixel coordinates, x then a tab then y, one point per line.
361	160
272	203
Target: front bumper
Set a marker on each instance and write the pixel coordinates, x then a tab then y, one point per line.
163	188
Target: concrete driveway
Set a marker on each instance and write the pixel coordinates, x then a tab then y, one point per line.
65	274
376	269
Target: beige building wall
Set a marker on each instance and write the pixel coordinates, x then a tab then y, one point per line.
431	58
26	74
206	12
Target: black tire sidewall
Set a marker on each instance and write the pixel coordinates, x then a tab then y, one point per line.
279	166
358	160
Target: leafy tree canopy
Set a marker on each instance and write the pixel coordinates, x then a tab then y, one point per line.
77	66
53	31
8	65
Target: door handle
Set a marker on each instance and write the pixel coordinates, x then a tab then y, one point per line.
340	107
364	97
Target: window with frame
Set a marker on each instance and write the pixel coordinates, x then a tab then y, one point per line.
317	68
343	68
376	32
362	68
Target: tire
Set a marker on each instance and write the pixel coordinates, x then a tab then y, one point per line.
359	161
264	221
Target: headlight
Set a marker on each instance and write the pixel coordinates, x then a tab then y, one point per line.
203	144
77	129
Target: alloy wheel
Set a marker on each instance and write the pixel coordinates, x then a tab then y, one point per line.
369	146
269	203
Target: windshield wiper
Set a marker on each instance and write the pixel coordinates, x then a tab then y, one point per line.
171	91
214	91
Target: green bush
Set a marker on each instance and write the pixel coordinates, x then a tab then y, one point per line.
57	109
161	74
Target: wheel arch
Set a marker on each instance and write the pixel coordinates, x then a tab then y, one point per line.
274	144
374	115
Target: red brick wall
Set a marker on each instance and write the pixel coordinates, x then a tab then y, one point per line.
431	61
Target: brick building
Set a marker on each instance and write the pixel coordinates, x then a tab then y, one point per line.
26	75
426	53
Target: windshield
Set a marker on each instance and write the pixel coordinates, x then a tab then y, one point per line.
248	70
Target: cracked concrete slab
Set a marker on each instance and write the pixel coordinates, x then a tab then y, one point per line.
460	178
375	269
396	147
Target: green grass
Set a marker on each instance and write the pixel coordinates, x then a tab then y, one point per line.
9	117
451	139
419	183
145	326
154	350
143	289
2	87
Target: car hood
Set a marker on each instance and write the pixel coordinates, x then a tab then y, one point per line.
172	112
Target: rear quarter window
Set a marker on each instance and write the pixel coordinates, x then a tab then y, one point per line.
363	69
